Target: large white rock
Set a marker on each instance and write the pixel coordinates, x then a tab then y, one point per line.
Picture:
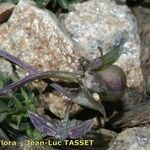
104	23
35	36
5	12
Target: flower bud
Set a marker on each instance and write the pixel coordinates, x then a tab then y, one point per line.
115	81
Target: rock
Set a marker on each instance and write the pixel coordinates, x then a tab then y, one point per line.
145	3
32	33
6	68
131	98
35	36
136	116
5	11
104	23
56	103
102	137
132	139
143	19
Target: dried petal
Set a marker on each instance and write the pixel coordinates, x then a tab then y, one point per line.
47	127
61	130
80	129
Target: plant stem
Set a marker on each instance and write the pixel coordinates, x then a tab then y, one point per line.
71	76
18	62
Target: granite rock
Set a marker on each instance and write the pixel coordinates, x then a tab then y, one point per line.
131	98
5	12
104	23
132	139
6	68
36	36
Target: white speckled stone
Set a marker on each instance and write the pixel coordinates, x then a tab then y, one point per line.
5	12
137	138
6	67
35	36
104	23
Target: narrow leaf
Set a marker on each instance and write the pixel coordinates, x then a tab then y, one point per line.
83	98
43	125
14	126
4	107
18	105
42	3
30	131
37	135
80	128
2	116
1	82
63	3
111	56
71	76
18	117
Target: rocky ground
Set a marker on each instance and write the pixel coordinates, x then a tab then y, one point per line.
30	33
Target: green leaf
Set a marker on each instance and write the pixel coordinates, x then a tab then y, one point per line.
37	134
15	122
111	56
18	106
18	117
13	110
3	107
23	126
30	131
42	3
24	94
11	103
76	1
2	116
24	116
5	99
54	3
2	81
14	126
33	133
63	3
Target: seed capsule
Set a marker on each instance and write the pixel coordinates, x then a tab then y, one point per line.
115	81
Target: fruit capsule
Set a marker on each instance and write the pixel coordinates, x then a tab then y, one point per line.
115	81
